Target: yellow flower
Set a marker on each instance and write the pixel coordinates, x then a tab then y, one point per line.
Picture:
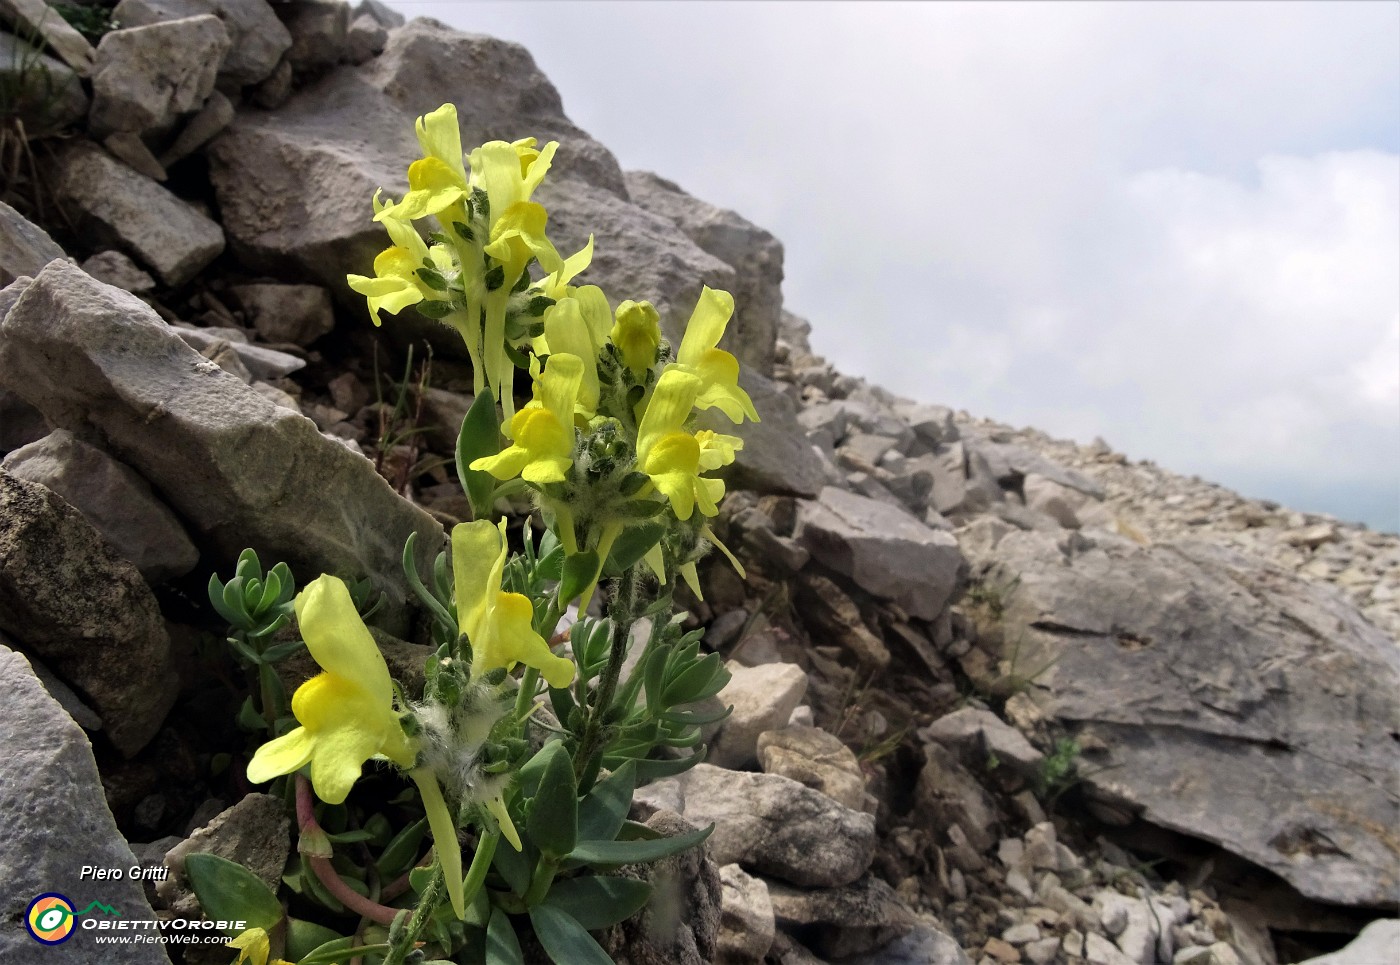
438	179
717	370
254	947
669	454
347	711
497	624
509	173
637	334
543	432
716	449
396	283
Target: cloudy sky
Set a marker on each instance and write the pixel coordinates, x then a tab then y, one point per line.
1175	226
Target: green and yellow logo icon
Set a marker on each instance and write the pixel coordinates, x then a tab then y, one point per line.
49	918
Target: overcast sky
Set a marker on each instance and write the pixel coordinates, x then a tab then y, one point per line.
1175	226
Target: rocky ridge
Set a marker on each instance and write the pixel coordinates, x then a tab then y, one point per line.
998	698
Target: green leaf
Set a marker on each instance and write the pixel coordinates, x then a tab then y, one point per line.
514	866
599	901
216	597
271	590
651	770
502	945
233	599
249	718
410	571
566	941
340	950
480	436
580	572
631	546
304	938
695	718
227	891
635	852
281	651
401	853
602	812
553	820
694	683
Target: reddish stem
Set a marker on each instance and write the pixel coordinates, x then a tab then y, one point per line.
356	902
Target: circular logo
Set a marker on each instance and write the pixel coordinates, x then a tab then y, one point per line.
49	919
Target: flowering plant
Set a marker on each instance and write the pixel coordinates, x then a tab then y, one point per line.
524	749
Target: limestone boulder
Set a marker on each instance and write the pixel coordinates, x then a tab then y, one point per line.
1227	699
56	823
24	246
146	77
884	549
66	595
239	469
257	37
754	254
113	498
125	210
771	825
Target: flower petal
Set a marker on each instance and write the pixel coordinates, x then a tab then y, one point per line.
706	325
444	828
475	546
339	640
281	755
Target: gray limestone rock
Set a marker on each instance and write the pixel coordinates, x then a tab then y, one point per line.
838	922
68	597
365	39
925	944
113	498
258	38
259	361
146	77
775	458
771	825
298	314
1376	941
1232	701
318	29
241	470
763	699
24	246
680	925
37	20
121	208
116	269
976	734
754	254
56	822
882	548
746	918
255	833
819	760
216	114
294	185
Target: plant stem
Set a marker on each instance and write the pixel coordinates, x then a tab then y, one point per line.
405	940
622	612
322	868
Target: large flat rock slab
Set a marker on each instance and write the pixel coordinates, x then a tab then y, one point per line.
1234	702
240	470
57	821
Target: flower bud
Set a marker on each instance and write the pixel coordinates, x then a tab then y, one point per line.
637	333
